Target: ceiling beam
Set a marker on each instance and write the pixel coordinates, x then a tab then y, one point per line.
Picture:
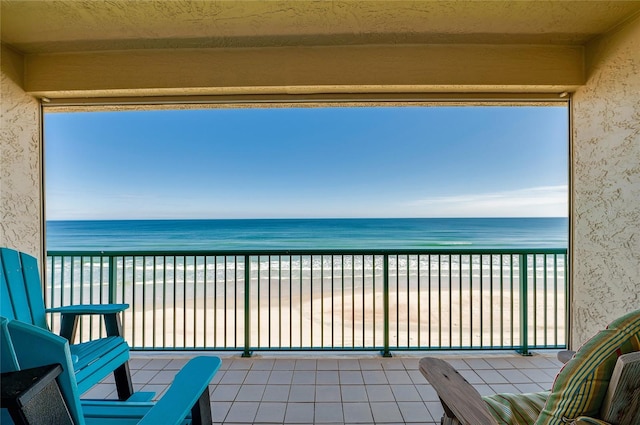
12	64
337	69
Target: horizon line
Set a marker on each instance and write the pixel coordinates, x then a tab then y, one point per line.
303	218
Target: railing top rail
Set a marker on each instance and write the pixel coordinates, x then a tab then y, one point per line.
298	252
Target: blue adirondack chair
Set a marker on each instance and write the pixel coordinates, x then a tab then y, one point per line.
21	299
186	401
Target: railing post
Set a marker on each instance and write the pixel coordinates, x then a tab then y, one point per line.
385	305
524	307
567	305
113	290
247	307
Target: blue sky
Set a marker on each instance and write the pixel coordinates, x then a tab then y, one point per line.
308	162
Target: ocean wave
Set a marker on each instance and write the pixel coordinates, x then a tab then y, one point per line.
346	270
306	233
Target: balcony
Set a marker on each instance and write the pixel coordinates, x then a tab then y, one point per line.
593	66
355	388
356	307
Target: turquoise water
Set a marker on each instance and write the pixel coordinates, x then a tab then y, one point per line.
402	233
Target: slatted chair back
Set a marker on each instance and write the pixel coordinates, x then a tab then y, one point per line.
621	405
21	290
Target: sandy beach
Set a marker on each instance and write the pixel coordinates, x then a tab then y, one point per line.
338	314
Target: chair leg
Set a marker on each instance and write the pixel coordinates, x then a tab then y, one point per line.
449	421
448	417
201	411
124	385
68	326
122	374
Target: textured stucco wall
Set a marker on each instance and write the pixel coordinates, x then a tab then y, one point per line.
20	170
606	184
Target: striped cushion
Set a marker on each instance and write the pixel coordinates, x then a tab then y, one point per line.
516	409
582	383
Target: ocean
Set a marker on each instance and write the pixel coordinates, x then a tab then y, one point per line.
256	234
315	301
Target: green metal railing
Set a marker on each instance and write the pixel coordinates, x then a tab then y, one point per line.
321	299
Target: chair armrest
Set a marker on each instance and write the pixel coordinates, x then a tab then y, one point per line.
458	397
565	355
70	313
89	309
189	385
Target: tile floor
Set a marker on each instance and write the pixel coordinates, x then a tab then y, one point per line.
348	389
